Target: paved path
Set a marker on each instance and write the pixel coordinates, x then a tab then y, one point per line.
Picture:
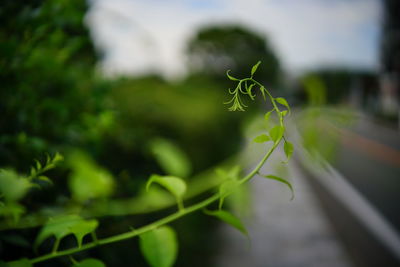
283	233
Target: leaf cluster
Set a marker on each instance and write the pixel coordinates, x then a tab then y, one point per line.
158	242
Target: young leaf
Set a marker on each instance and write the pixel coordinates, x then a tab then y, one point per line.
89	263
267	115
229	218
249	91
171	158
159	246
57	158
82	228
19	263
175	185
283	102
276	178
230	77
226	188
65	225
288	148
254	68
276	132
284	113
88	180
262	138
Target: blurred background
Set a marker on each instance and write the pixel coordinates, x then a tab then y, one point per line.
131	88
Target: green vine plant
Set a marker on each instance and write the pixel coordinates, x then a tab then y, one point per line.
157	241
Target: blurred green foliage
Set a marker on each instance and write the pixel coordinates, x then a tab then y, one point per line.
113	133
46	72
215	49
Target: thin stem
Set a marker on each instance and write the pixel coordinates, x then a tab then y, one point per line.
181	211
56	245
130	234
156	224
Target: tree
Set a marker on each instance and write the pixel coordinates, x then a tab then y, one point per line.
215	49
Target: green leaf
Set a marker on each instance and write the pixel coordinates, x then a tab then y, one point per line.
13	187
230	182
19	263
226	188
62	226
288	148
38	165
57	158
171	158
159	246
233	173
82	228
276	132
176	186
88	180
173	184
276	178
267	116
230	77
262	138
249	91
254	68
284	113
45	179
283	102
89	263
229	218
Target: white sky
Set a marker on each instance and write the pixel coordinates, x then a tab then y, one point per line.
141	36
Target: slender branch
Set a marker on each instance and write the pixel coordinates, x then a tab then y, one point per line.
156	224
237	105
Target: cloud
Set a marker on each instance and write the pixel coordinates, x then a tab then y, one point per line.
139	36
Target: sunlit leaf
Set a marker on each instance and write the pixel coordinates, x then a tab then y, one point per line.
89	263
64	225
230	182
267	116
262	138
276	178
19	263
233	173
276	132
283	102
173	184
230	77
288	148
159	246
88	180
13	187
226	188
228	218
176	186
171	158
255	67
57	158
82	228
